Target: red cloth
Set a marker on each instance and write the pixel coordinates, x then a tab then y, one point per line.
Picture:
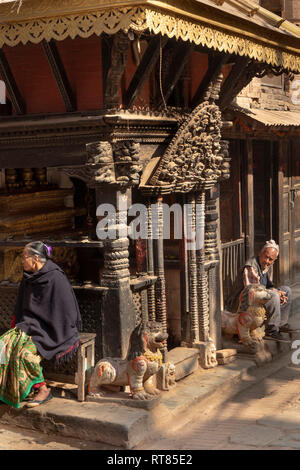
39	385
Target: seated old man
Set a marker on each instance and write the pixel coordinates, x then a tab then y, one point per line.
256	271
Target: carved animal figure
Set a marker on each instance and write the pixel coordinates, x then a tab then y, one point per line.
143	361
208	357
251	314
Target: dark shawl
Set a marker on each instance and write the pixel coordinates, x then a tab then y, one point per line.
47	310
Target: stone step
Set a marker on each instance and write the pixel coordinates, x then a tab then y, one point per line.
186	361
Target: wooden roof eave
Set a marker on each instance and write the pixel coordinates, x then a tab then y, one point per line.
202	25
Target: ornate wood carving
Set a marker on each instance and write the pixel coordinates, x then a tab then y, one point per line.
115	163
193	278
118	306
119	55
116	262
211	226
195	158
38	20
150	259
202	281
160	286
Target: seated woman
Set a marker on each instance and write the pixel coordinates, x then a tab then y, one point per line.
45	326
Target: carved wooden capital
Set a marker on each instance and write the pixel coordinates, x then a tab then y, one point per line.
112	163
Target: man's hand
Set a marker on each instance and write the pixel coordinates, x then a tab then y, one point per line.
283	297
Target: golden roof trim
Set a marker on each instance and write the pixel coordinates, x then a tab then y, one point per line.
39	20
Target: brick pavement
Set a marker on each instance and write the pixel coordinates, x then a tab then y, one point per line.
233	425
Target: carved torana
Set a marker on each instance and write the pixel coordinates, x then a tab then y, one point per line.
195	158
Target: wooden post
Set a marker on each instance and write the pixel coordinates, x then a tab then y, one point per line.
249	239
202	280
212	252
282	262
150	259
161	304
192	264
81	373
184	281
117	306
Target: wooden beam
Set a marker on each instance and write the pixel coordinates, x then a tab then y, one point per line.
229	90
60	75
144	69
11	86
215	65
176	68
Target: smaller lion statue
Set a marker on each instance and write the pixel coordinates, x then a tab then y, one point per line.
247	323
143	361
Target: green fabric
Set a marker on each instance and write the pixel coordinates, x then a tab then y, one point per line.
21	369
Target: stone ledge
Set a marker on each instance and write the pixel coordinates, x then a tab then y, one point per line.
125	427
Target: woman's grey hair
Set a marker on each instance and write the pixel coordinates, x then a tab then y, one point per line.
39	249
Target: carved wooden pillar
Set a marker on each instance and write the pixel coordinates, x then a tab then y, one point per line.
160	286
213	260
118	316
150	259
249	229
192	268
112	169
196	160
202	284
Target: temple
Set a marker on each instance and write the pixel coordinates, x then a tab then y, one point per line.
156	104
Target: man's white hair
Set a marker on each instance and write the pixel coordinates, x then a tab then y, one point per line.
271	244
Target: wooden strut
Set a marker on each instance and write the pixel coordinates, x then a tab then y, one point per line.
11	86
60	75
231	88
215	66
144	70
176	68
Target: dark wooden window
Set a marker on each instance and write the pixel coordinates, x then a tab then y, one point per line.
273	5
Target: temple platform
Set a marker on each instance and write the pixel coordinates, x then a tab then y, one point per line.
118	426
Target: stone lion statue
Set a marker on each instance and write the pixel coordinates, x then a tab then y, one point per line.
249	319
143	361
